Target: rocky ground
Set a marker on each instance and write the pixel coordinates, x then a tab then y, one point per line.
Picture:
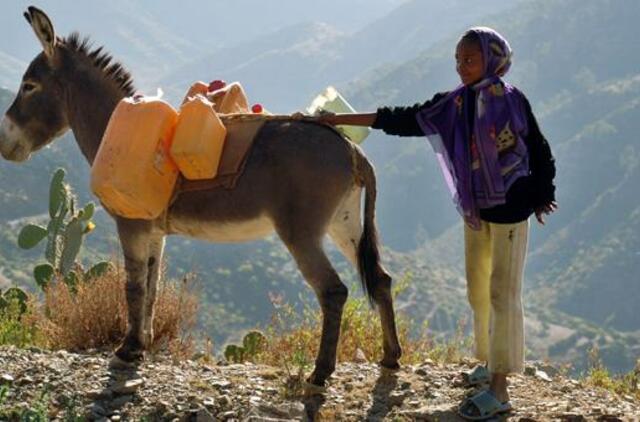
74	387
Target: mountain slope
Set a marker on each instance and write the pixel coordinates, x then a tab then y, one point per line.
285	68
153	38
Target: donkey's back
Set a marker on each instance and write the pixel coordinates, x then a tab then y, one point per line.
296	175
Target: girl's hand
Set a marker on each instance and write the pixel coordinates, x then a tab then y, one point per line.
546	209
326	117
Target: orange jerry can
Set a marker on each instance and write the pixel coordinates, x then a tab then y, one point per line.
198	140
196	88
230	99
133	174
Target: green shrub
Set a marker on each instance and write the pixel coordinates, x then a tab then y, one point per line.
253	343
17	326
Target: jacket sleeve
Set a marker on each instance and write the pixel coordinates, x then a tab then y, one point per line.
541	162
401	121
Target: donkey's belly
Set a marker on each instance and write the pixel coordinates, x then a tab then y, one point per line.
232	231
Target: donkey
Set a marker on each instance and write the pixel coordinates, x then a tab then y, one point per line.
302	180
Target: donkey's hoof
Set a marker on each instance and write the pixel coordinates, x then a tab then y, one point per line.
127	357
121	364
311	389
387	370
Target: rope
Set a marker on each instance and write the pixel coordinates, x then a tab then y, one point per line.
252	117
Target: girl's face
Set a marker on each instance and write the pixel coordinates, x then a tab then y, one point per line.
469	62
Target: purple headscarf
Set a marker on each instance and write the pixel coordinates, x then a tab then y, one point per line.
480	164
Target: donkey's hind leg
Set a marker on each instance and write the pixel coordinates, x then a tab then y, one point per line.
384	300
346	231
134	239
154	262
346	226
332	295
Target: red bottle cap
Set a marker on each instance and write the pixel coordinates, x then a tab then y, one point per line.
257	108
216	85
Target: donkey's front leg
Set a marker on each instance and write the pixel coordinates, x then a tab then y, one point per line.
135	236
156	249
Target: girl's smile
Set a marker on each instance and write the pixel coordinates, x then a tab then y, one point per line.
469	62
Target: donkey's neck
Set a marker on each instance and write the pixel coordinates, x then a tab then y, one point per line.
91	98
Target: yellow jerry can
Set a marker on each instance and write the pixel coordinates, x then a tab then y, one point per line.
133	174
198	140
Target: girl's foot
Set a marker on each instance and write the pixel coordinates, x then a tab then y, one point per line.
498	387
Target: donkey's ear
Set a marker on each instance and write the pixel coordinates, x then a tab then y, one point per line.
43	28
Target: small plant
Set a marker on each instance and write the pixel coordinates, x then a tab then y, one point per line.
64	235
13	294
72	410
16	325
253	344
37	412
4	392
599	376
450	350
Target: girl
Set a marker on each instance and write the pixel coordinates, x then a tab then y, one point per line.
499	169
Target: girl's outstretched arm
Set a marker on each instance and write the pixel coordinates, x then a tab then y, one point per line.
351	119
399	121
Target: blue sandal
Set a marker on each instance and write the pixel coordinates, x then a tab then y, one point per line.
477	376
482	406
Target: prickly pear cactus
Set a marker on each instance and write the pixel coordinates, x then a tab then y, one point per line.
72	241
58	193
64	235
31	235
98	270
43	274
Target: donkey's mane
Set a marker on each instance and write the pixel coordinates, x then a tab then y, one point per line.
102	60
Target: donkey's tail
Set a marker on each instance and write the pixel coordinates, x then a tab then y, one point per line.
369	265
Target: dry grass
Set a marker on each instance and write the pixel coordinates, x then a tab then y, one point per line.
293	339
599	376
95	316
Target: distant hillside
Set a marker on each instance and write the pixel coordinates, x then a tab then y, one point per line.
154	38
284	69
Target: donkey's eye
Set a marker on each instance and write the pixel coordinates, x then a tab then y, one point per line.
28	87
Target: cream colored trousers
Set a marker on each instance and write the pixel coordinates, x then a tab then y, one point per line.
495	257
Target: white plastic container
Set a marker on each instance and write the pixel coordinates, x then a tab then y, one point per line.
331	100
